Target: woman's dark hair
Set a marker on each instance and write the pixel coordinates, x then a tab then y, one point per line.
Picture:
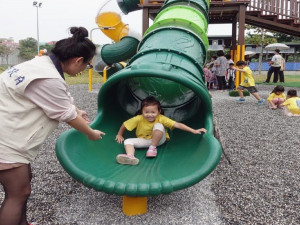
220	53
150	100
76	46
278	88
292	93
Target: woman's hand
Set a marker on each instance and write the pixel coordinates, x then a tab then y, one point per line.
95	135
199	131
119	138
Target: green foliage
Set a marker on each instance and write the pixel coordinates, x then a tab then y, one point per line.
48	47
28	48
283	38
236	94
257	39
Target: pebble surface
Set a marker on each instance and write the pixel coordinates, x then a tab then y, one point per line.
260	186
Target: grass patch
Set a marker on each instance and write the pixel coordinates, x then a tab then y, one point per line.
290	80
236	94
83	78
79	79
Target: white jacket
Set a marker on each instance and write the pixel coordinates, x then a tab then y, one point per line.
24	126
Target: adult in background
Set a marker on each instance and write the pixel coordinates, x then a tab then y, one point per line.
221	64
275	67
282	68
33	99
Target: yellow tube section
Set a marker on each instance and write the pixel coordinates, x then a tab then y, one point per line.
112	26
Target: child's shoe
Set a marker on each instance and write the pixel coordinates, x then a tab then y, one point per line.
261	101
241	100
151	153
127	159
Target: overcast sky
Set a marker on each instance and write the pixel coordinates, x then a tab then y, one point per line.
18	19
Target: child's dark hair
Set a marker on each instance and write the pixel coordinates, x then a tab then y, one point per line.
228	56
292	93
231	64
220	53
278	88
150	100
76	46
241	63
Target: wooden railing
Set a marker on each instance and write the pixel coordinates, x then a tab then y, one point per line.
284	9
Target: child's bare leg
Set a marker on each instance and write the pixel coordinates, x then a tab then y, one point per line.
156	137
256	96
129	149
287	112
241	94
272	105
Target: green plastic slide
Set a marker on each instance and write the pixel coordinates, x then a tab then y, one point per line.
168	65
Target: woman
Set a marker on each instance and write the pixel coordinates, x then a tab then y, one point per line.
33	99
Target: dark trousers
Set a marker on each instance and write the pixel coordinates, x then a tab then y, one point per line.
281	76
221	82
272	70
231	84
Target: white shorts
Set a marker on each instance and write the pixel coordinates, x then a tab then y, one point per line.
145	143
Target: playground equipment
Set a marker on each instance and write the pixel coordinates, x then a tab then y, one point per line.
168	65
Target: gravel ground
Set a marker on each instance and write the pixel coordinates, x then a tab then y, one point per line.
262	183
260	186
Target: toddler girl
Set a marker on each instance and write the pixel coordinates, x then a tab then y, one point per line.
277	97
150	131
292	104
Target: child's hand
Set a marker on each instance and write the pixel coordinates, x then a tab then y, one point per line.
96	135
119	139
199	131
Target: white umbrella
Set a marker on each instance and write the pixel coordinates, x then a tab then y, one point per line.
274	46
250	53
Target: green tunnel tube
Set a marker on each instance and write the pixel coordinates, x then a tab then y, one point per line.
119	51
169	66
128	6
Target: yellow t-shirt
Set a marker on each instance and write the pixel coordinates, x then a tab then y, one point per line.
248	80
293	105
144	128
273	95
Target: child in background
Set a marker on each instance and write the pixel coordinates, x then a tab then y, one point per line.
230	76
292	104
276	98
248	83
212	78
150	131
209	77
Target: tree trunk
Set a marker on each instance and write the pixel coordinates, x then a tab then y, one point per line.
261	51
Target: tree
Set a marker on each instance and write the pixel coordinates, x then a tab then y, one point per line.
283	38
7	48
260	37
27	48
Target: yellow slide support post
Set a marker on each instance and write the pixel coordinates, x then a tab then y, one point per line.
90	79
240	55
133	206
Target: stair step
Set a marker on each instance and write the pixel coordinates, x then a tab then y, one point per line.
286	21
269	17
254	12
